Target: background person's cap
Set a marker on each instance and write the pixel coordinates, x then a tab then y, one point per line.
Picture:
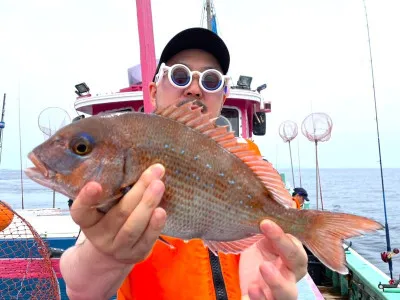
197	38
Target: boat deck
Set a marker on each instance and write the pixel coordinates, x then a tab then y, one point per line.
307	290
331	293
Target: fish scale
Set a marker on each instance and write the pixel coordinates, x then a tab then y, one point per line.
211	208
216	188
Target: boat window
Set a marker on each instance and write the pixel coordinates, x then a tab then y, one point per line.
124	109
118	110
232	116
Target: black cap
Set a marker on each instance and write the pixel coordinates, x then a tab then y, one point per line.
301	192
197	38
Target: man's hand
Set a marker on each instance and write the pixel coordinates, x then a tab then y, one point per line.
128	231
271	268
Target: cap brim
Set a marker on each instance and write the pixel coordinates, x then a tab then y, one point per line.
197	38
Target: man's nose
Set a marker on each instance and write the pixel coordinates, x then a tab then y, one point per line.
194	89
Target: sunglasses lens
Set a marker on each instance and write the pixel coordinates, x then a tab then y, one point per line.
180	76
211	80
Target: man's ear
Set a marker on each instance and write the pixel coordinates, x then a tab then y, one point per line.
222	103
153	92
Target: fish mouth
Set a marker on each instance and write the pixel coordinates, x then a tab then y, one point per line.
39	168
44	176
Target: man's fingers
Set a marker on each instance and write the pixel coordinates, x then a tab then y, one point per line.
117	216
255	293
139	220
155	171
278	286
82	210
292	253
301	263
149	237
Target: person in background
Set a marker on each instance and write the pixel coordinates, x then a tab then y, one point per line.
300	197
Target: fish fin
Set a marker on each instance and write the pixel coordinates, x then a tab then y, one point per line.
212	249
232	247
201	122
165	242
106	205
325	231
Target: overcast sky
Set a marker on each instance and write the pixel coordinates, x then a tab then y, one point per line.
313	55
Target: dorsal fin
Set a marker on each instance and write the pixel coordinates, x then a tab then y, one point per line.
203	123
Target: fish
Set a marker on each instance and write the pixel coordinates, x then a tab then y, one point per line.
217	189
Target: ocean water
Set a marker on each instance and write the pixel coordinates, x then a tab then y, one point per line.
356	191
359	191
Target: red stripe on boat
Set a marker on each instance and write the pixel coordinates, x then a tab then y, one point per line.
27	268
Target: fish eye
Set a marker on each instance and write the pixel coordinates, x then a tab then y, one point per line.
81	146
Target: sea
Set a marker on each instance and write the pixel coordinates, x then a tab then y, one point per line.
356	191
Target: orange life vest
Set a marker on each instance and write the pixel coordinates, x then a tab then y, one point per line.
298	205
181	273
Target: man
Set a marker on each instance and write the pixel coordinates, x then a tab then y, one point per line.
119	252
300	197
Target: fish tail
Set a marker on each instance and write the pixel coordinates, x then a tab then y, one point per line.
324	233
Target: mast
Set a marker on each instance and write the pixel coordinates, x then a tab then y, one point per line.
208	10
211	17
147	51
2	124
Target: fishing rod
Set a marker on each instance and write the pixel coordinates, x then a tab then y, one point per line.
20	148
2	124
379	146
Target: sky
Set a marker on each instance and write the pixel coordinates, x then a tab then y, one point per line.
312	54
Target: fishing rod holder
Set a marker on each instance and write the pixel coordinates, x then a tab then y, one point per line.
392	284
55	252
348	246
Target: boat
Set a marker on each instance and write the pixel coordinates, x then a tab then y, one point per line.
245	112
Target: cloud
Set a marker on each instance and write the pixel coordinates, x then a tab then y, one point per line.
312	54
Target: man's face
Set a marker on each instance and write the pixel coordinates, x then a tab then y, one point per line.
165	94
299	198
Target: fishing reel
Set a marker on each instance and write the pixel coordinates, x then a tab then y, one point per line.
386	256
